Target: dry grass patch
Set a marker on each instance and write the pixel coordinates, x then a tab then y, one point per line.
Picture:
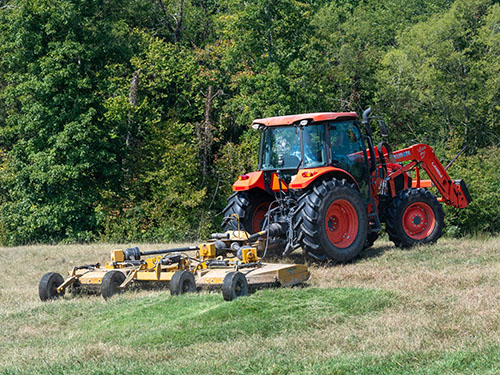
444	311
450	293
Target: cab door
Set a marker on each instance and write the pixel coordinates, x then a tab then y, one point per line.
348	152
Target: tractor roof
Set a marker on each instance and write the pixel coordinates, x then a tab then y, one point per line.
315	117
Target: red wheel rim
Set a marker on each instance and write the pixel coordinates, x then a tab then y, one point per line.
418	221
258	216
341	223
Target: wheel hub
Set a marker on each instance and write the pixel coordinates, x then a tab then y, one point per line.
341	223
332	223
418	220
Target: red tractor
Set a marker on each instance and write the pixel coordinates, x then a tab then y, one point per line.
323	186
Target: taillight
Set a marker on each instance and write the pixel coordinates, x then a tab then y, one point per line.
307	174
244	177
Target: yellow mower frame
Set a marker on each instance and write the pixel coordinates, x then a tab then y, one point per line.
228	262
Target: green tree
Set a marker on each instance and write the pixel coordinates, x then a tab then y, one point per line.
167	112
350	42
441	84
266	38
58	153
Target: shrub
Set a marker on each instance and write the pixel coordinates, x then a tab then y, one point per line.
482	175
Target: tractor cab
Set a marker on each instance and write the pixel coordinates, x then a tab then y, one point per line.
306	143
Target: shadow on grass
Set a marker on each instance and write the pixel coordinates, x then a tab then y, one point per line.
374	252
299	258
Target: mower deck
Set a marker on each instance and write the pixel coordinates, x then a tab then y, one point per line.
267	274
236	272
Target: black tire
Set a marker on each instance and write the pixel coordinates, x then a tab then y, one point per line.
414	217
111	283
182	282
321	231
47	288
250	206
235	285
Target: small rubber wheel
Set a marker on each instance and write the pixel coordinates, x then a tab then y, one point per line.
47	289
182	282
111	283
235	285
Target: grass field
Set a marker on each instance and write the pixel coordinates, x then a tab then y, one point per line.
429	310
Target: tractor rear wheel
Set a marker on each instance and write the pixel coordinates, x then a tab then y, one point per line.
333	221
251	208
111	283
414	217
47	289
182	282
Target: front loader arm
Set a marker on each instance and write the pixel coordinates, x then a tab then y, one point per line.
453	192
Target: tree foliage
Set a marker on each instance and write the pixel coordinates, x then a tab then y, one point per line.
57	154
125	120
439	82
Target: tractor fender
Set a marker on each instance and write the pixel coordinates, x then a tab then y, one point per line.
249	181
305	177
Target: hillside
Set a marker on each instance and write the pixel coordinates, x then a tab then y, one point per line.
430	310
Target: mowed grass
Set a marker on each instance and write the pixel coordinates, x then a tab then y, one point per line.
430	310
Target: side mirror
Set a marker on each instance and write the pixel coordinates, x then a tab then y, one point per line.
383	128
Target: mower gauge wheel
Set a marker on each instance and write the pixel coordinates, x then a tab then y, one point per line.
111	283
235	285
182	282
47	289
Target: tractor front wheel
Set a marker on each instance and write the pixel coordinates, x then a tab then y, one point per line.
333	221
414	217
